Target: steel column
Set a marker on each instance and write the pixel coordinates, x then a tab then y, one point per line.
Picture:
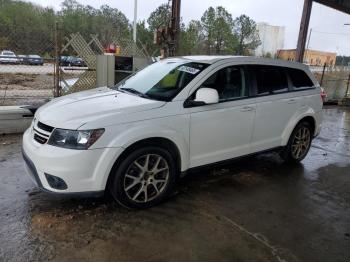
304	27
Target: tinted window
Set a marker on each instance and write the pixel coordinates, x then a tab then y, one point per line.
270	79
299	78
229	82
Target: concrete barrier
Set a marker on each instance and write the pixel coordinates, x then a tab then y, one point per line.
15	119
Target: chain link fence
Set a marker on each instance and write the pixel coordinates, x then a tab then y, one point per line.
335	81
27	68
33	73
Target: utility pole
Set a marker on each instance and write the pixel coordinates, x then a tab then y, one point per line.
308	41
135	21
175	27
168	37
307	48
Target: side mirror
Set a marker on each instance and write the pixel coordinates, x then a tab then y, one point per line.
207	96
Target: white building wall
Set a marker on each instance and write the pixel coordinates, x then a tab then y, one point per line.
272	39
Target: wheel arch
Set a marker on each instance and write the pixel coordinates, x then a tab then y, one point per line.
309	118
161	142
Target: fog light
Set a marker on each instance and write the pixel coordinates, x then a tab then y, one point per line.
56	182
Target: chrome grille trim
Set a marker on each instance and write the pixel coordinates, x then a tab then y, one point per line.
45	127
41	132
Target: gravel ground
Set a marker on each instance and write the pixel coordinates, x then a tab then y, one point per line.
22	87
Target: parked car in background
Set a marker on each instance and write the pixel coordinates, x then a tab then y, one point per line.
176	115
75	61
35	60
63	60
22	59
72	61
8	57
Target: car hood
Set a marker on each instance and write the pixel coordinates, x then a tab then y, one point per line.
73	111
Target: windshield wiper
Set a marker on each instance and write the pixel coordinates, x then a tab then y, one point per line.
134	91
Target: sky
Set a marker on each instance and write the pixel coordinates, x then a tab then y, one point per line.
328	30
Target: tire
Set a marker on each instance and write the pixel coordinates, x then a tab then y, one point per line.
299	143
136	185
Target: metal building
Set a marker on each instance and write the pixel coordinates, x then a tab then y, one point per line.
272	39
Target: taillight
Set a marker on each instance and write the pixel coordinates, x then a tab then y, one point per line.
323	95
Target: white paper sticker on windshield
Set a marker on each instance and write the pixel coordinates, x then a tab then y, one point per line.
189	70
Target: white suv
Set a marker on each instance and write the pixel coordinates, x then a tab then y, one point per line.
173	116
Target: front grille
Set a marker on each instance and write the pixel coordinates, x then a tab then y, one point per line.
40	139
45	127
42	132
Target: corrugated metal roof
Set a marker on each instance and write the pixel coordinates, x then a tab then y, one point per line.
341	5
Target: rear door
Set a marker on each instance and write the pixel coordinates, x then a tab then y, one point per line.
276	105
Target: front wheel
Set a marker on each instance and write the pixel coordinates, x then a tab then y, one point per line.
144	178
299	143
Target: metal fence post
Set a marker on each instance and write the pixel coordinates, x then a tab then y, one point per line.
56	92
324	69
347	87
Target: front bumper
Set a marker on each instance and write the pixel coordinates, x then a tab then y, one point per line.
83	171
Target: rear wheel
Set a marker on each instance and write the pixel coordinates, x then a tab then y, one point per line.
299	143
144	178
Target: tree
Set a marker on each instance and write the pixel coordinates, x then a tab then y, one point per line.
217	26
107	22
145	38
27	28
112	24
159	17
192	39
247	34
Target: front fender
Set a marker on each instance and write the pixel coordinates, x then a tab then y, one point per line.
129	134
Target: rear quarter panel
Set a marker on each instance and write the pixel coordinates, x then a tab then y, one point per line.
311	105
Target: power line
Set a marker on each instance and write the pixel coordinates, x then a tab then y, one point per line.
330	33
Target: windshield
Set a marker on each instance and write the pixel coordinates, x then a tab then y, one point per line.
162	80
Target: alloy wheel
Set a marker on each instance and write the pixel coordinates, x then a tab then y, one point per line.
146	178
301	142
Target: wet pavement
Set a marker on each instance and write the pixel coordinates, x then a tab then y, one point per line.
256	209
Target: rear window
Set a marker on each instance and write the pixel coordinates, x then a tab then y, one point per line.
8	53
270	79
299	78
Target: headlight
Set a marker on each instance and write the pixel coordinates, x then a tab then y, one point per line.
74	139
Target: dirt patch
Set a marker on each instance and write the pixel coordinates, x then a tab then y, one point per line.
21	81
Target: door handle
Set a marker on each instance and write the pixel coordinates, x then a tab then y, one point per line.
247	109
291	101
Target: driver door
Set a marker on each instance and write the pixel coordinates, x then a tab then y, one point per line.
224	130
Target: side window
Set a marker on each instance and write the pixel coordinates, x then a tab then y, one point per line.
299	78
229	82
270	79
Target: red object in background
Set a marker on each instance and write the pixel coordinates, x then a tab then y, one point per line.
111	48
323	95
